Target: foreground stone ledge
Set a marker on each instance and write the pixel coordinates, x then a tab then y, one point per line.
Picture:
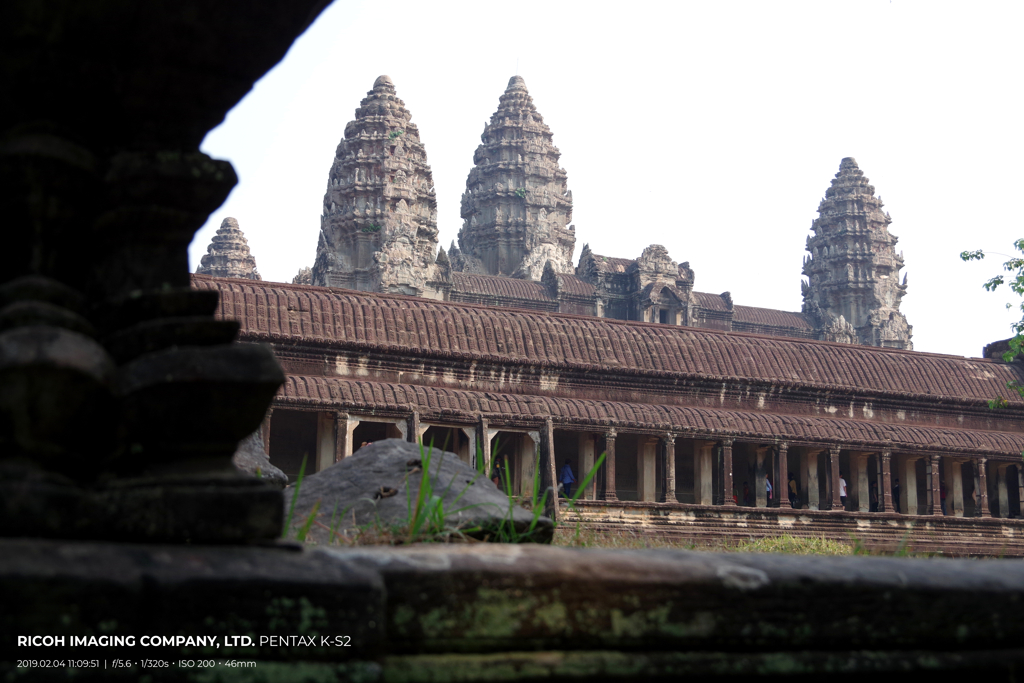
522	612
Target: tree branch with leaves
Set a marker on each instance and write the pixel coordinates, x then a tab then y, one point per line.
1014	279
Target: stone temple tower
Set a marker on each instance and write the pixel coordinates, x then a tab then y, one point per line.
853	286
516	208
228	254
378	231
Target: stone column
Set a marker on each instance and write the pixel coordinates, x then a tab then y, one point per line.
265	430
668	446
760	475
955	488
529	451
343	426
927	484
483	439
727	498
782	483
1020	488
983	488
936	484
860	481
833	454
885	495
609	465
703	461
326	442
813	484
549	465
412	430
1002	492
585	449
908	486
646	469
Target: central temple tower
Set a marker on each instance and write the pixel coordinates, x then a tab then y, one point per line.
853	270
378	230
516	208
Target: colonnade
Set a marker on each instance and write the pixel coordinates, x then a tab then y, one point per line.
645	467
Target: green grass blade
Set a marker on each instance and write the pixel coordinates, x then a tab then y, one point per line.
309	521
295	497
586	480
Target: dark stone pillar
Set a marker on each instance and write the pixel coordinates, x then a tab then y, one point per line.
668	492
412	433
983	488
886	498
782	481
833	454
265	430
935	484
609	465
483	444
727	498
549	465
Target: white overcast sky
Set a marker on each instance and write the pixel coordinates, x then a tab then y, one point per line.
712	128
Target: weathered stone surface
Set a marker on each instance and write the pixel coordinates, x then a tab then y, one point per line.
444	612
251	457
517	207
303	277
380	485
378	230
228	254
853	287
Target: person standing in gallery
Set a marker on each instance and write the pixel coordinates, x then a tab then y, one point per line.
566	479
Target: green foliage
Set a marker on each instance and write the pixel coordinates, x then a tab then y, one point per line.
304	531
372	227
1014	279
394	134
520	192
295	497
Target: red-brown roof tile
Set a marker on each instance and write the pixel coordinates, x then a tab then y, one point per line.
771	317
507	287
288	313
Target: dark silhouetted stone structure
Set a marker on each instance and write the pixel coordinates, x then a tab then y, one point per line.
228	254
121	398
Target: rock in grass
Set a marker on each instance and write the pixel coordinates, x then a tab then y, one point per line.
252	459
375	491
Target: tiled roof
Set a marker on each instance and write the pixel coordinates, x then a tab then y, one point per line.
507	287
713	302
575	286
439	403
410	325
611	264
771	317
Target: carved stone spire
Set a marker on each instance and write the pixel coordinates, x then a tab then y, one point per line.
853	285
516	208
228	254
378	231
